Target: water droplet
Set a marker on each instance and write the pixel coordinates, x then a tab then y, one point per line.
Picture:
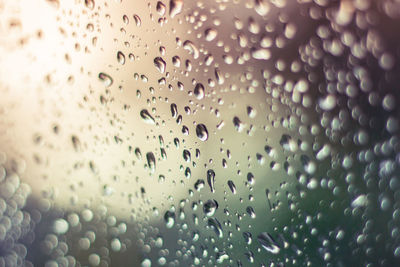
262	7
211	180
90	4
191	48
232	186
121	58
161	8
201	132
138	153
147	117
210	34
60	226
209	207
261	53
151	161
175	7
174	110
328	102
186	155
160	64
268	243
247	237
106	79
216	226
239	126
176	61
137	19
169	218
199	91
199	184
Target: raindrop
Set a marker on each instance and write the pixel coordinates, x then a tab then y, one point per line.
209	207
247	237
199	91
175	7
216	226
174	110
147	117
137	19
238	124
268	243
169	218
160	64
160	8
191	48
232	186
199	184
210	34
138	153
186	155
90	4
261	54
201	132
176	61
106	79
60	226
211	179
328	102
121	58
151	161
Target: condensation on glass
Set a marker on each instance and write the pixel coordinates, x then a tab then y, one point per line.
199	133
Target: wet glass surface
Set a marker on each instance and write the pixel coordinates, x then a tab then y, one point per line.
199	133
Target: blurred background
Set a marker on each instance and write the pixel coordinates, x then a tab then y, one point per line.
199	133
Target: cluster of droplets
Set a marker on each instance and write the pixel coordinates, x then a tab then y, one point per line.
16	224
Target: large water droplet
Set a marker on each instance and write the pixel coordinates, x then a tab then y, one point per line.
210	34
161	8
216	226
268	243
211	180
121	58
175	7
106	79
209	207
147	117
174	110
232	186
199	91
201	132
151	161
160	64
169	218
189	46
